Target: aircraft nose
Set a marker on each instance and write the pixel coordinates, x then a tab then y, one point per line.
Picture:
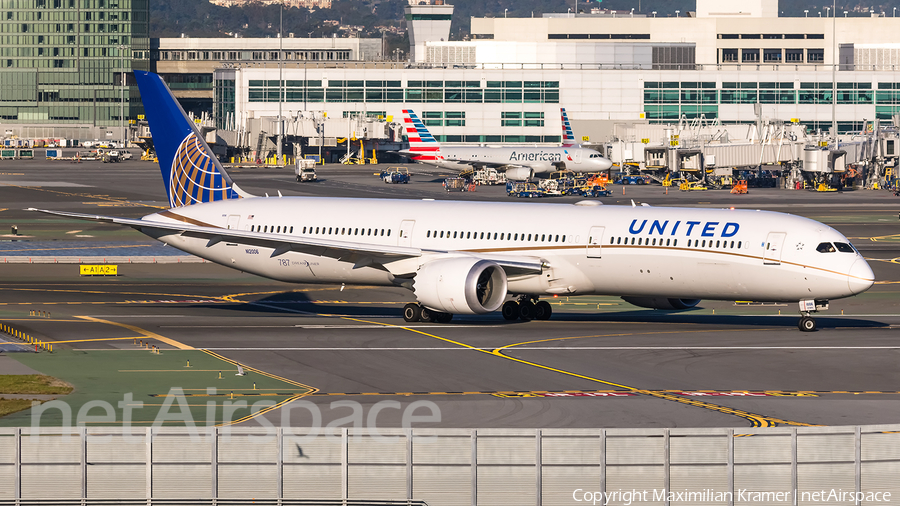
604	163
860	278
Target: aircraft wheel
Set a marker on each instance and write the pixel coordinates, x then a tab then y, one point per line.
510	310
807	324
412	312
542	310
428	315
443	317
526	311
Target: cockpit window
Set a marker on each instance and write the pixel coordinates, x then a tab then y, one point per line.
825	247
844	247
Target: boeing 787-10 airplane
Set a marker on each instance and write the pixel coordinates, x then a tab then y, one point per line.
471	258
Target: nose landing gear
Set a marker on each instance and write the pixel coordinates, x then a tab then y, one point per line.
807	323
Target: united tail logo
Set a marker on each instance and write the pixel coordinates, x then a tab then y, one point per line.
194	176
422	145
191	172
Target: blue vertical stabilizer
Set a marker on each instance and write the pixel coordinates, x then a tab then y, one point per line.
190	171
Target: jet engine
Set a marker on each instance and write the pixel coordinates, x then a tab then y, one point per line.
461	286
519	173
661	303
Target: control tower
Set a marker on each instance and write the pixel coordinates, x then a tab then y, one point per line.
427	21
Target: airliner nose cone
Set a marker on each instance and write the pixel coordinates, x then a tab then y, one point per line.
605	164
860	277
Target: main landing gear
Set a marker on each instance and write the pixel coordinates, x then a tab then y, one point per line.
526	309
807	323
413	312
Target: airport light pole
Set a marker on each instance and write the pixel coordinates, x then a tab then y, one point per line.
806	13
280	138
122	49
836	60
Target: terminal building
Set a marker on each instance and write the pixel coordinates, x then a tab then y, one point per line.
731	61
62	64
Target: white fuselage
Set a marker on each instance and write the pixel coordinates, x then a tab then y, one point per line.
610	250
540	160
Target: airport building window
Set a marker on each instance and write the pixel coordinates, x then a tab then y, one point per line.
815	55
749	55
793	55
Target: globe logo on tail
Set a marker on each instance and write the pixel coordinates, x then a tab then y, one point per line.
195	178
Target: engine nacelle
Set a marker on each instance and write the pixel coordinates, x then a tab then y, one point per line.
461	286
661	303
519	173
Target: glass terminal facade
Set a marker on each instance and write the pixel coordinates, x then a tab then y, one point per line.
61	61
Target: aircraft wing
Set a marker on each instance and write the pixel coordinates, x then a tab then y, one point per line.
362	254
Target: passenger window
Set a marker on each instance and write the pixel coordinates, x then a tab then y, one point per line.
502	236
292	230
612	240
495	236
689	243
825	247
704	243
329	231
564	239
468	235
675	243
717	243
732	244
529	237
667	241
428	234
389	232
543	238
632	240
739	244
844	247
557	238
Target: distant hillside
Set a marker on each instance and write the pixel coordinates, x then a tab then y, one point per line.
199	18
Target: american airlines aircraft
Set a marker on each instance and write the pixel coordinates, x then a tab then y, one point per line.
520	162
470	258
568	135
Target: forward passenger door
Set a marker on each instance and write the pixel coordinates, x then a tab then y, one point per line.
774	245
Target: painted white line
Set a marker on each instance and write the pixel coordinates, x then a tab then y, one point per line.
328	327
139	316
566	348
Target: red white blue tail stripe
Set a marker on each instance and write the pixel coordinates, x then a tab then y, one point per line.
568	134
422	144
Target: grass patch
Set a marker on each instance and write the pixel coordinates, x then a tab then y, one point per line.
208	381
33	384
8	406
